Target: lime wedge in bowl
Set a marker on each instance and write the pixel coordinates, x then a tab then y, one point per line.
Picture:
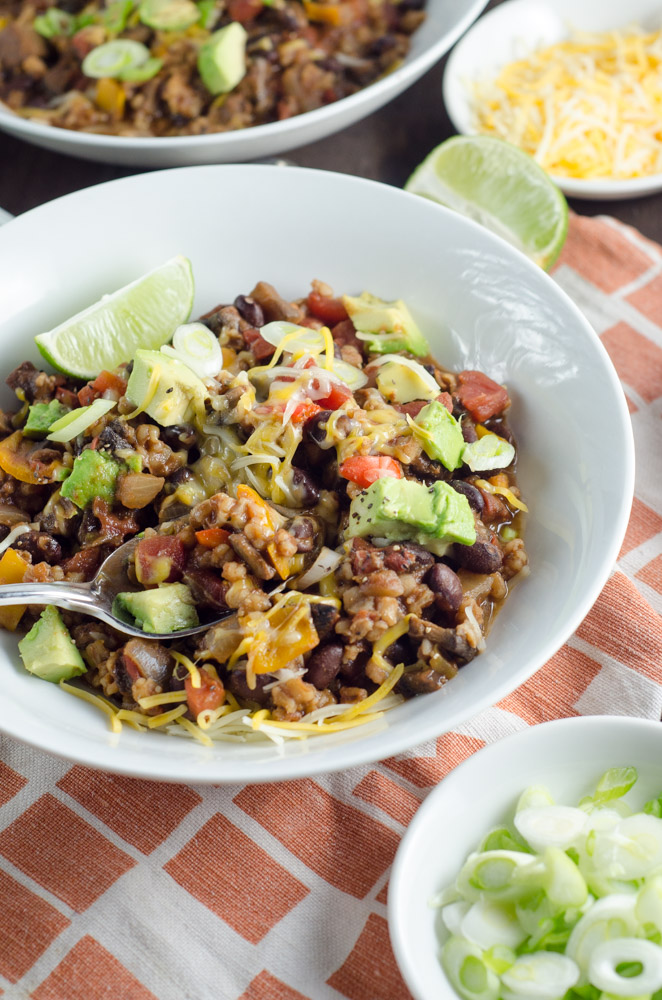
501	187
144	314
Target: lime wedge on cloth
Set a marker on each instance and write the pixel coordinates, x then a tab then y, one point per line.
144	314
499	186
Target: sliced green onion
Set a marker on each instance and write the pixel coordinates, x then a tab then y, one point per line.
488	923
543	975
614	784
489	452
468	974
54	22
140	74
116	15
648	909
77	421
550	826
196	346
503	839
453	914
608	918
169	15
533	798
112	58
610	956
631	850
302	340
492	873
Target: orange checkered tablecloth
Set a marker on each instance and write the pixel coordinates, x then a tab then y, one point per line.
117	889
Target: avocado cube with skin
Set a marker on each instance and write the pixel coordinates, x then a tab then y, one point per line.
48	650
40	418
392	326
440	435
167	608
169	392
94	475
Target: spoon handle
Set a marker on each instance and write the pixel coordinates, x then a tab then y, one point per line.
72	596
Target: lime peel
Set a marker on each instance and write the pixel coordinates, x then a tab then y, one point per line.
142	314
499	186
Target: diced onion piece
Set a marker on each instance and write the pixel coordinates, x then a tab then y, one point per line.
608	918
326	562
196	346
488	923
543	975
631	850
468	974
609	955
350	374
77	421
551	826
454	913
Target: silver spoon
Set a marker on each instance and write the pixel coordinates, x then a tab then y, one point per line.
96	597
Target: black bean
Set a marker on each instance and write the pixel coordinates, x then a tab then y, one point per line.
324	618
324	665
304	530
179	436
481	557
472	493
469	432
400	651
4	531
180	476
446	587
315	428
250	310
238	686
41	547
305	492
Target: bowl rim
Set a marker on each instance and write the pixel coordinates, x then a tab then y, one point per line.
378	90
622	724
360	751
454	92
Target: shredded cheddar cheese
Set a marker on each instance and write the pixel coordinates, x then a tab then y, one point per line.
588	107
97	701
194	673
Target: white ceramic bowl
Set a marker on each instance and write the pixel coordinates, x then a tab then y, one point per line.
445	22
567	756
482	305
516	28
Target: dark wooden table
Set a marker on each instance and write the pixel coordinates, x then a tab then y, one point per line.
386	147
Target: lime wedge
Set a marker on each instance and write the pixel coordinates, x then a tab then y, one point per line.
499	186
144	314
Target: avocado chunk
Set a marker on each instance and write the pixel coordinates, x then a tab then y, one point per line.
40	418
94	475
167	608
48	651
391	325
440	434
401	380
222	58
166	389
403	509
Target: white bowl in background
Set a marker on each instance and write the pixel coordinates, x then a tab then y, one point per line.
517	28
482	305
444	23
568	756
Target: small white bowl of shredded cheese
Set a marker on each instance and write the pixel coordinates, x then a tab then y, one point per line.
576	83
536	867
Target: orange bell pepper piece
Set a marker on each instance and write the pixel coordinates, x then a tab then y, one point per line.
12	570
14	453
110	97
291	634
280	563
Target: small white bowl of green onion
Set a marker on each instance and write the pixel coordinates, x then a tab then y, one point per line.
534	871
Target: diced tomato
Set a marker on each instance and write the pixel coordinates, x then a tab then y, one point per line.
331	311
305	411
244	10
67	397
104	382
85	562
366	469
445	398
160	559
211	537
260	347
480	395
339	394
209	696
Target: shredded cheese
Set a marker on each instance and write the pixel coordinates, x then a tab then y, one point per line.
195	731
98	702
385	688
194	673
162	699
504	492
154	721
588	107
